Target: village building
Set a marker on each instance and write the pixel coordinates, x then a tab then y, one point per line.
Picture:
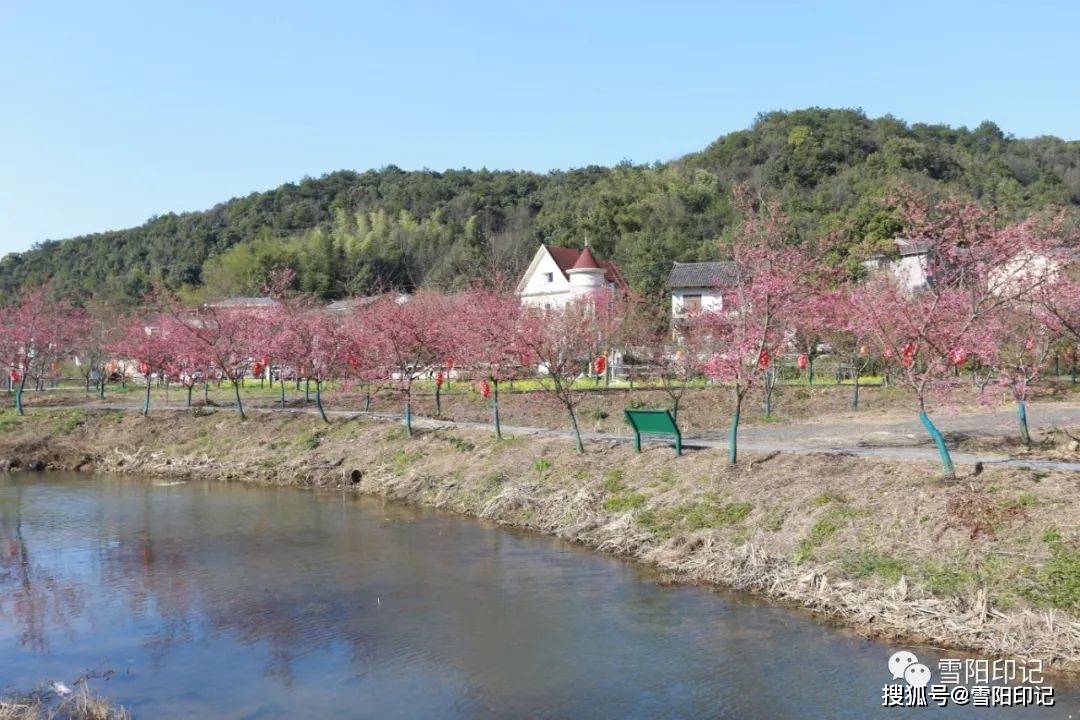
699	286
559	275
910	267
245	303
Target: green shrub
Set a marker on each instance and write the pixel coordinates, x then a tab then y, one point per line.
613	481
403	459
694	516
70	420
542	467
625	501
9	420
460	444
1058	582
311	440
872	562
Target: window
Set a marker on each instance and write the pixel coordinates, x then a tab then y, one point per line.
691	303
549	277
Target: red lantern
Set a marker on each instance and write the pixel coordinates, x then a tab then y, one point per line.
907	353
256	369
439	379
600	364
14	376
144	368
804	361
485	389
763	360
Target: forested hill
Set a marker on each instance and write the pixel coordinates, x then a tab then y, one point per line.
352	232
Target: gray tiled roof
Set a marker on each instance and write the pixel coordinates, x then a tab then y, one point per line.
245	302
913	246
701	274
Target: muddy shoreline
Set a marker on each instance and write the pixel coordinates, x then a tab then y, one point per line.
795	530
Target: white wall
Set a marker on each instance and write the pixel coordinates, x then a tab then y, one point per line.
710	299
909	270
539	292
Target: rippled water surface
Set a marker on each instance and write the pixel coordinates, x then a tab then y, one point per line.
210	600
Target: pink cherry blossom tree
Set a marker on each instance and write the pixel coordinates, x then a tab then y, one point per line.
563	343
486	339
224	336
411	335
39	330
317	345
672	357
977	268
93	332
145	341
767	294
359	357
1021	348
844	332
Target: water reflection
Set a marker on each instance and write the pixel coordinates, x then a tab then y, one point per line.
233	601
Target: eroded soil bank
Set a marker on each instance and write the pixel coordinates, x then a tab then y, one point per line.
990	563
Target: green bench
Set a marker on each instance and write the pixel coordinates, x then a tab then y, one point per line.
653	422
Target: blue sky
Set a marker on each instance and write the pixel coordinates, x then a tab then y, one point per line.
111	112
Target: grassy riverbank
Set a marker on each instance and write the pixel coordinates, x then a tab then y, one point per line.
990	563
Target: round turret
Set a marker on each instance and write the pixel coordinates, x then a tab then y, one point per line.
586	276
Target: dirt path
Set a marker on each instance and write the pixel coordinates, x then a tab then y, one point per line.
858	436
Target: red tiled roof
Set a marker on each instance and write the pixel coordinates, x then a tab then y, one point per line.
567	259
586	261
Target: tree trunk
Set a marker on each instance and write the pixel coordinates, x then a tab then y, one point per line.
18	395
367	401
810	371
770	383
939	441
307	390
495	410
206	393
1021	416
239	402
318	400
438	400
281	387
146	400
855	391
408	417
577	431
189	389
733	432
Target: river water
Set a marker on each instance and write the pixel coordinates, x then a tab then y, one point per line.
229	601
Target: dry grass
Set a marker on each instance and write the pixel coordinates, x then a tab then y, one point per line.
989	564
43	705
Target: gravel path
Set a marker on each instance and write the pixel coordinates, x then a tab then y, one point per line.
852	435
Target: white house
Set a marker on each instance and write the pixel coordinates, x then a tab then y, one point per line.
911	268
558	275
699	286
